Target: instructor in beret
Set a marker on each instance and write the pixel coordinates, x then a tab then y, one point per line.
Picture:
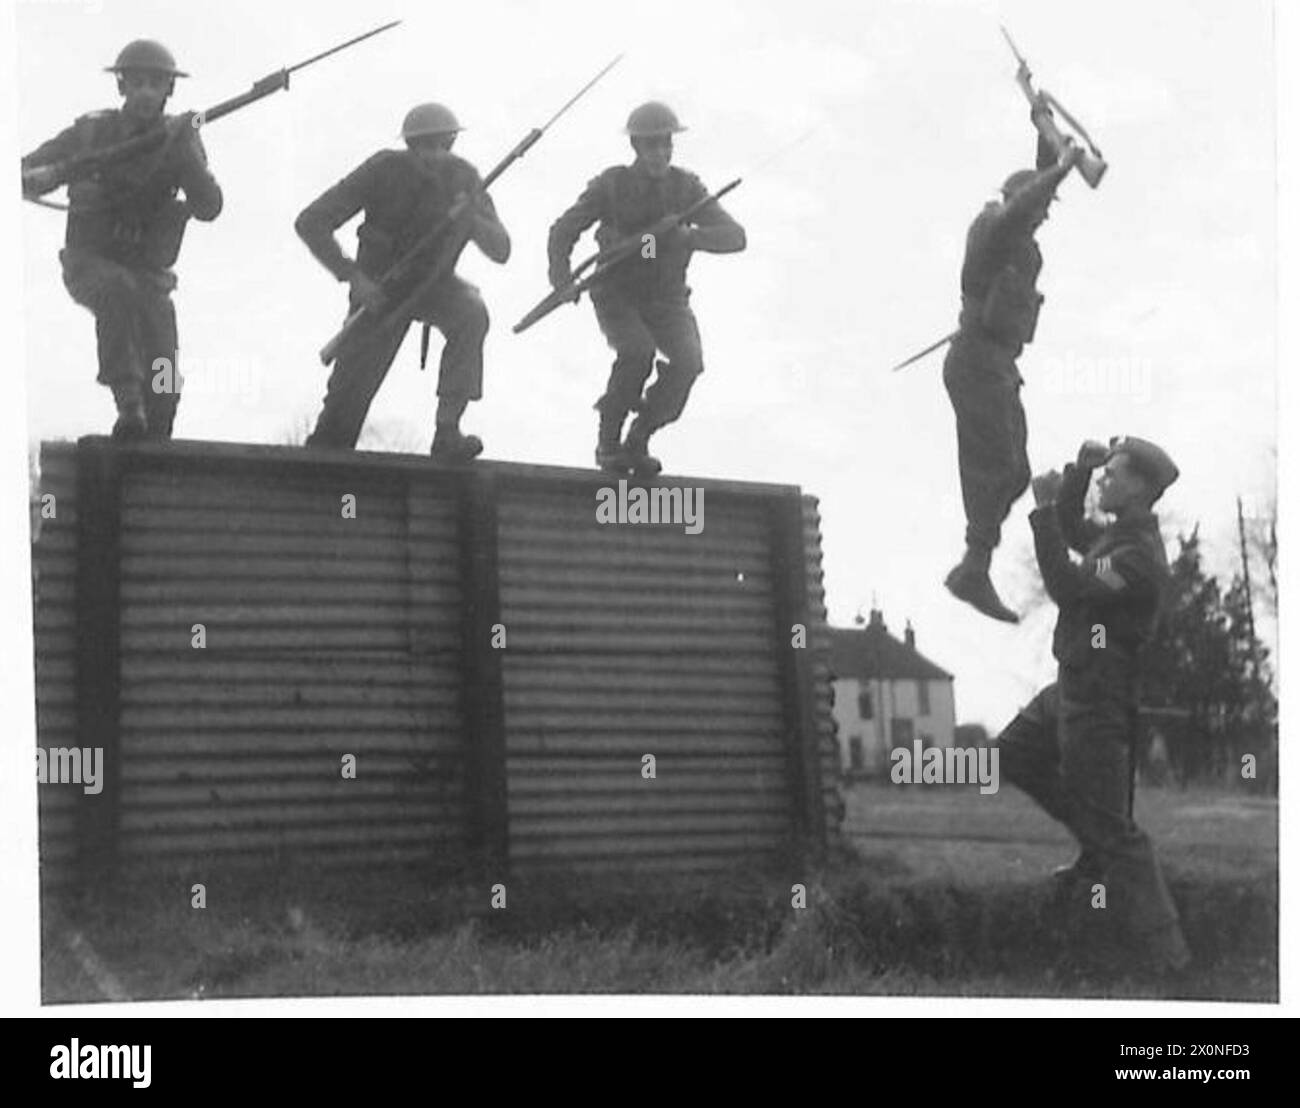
1070	747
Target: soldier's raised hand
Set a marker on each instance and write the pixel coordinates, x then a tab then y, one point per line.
1092	454
1072	154
1046	486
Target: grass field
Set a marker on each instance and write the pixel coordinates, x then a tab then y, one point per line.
941	892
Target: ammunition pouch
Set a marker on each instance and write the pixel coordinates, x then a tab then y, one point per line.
1010	310
160	239
144	239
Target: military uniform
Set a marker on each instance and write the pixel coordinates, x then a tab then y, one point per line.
643	306
999	314
1070	748
402	199
124	234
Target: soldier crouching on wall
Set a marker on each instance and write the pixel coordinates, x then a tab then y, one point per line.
643	306
125	225
404	194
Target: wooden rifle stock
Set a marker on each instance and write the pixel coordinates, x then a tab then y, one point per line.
1092	166
608	259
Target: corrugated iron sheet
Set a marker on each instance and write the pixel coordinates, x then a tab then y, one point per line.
325	636
328	636
634	639
820	644
54	573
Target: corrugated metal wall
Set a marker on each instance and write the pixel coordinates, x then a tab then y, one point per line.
828	743
325	636
633	640
328	635
54	571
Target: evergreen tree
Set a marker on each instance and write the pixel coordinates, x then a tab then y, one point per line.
1204	660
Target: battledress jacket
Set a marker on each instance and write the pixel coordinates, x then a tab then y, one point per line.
131	213
627	201
403	199
1119	586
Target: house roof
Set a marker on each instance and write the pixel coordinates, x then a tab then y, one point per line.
872	652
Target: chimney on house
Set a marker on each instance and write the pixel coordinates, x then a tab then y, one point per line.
909	636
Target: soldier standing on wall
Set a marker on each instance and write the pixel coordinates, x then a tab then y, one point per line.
643	306
999	313
125	225
404	194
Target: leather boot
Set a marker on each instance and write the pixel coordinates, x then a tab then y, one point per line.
1083	868
969	581
640	460
449	445
610	453
131	424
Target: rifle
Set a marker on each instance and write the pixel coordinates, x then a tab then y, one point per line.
412	260
610	258
1092	166
93	161
929	349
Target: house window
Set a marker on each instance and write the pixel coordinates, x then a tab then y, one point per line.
865	710
855	752
900	731
923	698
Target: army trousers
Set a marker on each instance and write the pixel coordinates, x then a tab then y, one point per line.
983	384
636	329
457	311
135	329
1070	750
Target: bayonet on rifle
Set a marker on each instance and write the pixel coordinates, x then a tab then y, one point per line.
90	163
417	257
928	350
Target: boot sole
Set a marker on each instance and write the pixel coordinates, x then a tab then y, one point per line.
1004	616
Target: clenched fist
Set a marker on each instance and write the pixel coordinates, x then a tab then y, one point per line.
1046	486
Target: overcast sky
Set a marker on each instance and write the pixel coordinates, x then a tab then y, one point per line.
1160	310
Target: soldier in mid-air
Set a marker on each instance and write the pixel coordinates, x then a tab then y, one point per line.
125	224
643	304
999	312
404	194
1071	747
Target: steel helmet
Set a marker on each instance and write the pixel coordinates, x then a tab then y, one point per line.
1018	180
653	118
144	53
429	119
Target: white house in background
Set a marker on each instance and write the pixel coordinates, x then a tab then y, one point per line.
886	695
